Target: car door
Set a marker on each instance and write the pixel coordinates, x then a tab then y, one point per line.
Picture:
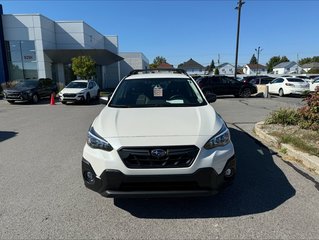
41	88
275	85
92	91
217	85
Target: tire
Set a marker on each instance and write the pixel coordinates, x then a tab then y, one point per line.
246	93
281	92
35	98
63	102
11	101
88	99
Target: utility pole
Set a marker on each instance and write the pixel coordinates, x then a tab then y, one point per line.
240	3
258	50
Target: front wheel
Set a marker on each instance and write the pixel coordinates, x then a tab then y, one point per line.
35	98
11	101
246	93
281	92
98	95
88	98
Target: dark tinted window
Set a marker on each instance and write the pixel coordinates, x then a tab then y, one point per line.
295	80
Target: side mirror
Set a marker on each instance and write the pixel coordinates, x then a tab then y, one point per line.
211	97
105	100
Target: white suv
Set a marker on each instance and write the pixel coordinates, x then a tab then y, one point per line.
80	91
158	136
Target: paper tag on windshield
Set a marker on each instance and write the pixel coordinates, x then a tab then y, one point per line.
158	91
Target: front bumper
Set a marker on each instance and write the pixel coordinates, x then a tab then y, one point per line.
203	182
76	98
17	96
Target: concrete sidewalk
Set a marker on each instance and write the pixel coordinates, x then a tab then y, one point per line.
309	161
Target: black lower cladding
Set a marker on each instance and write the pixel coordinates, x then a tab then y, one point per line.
205	181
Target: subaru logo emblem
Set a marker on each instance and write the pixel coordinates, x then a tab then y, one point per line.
158	153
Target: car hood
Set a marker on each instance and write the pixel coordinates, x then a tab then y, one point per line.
19	89
157	122
72	90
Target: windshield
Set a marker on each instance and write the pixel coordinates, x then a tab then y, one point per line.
27	83
77	85
157	93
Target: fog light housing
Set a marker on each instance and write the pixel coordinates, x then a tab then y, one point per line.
229	173
89	177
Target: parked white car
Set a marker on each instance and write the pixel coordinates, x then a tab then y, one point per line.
288	85
314	84
158	136
79	91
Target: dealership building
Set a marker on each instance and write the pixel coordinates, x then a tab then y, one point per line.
33	46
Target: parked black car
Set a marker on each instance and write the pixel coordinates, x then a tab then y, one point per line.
223	85
30	90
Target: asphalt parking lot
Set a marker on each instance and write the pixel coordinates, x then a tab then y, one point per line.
43	195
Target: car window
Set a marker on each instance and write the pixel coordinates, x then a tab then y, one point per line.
295	80
91	85
27	83
77	85
159	92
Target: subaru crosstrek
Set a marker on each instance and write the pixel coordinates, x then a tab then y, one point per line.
158	136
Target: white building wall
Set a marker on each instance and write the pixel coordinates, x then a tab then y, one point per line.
132	61
227	70
69	35
92	38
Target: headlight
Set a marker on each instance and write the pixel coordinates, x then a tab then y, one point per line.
220	139
94	140
27	92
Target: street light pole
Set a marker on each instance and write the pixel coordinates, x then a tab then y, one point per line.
258	50
240	3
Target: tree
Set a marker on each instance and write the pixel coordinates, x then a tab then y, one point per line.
211	67
157	61
308	60
216	72
275	61
253	60
83	66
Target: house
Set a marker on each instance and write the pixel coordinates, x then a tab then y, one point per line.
286	68
165	66
192	67
308	66
226	69
255	69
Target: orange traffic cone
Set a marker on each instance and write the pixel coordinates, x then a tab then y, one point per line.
52	102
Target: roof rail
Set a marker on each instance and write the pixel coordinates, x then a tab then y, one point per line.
173	70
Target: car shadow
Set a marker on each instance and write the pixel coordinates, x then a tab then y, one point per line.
260	186
5	135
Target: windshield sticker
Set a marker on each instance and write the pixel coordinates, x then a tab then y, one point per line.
158	91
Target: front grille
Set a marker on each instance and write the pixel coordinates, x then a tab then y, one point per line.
175	157
69	95
13	95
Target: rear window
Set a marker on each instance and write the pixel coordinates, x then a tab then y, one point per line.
295	80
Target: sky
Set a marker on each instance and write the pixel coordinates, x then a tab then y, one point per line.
202	30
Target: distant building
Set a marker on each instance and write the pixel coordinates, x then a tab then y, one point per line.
33	46
287	68
255	69
165	66
226	69
307	67
132	61
192	67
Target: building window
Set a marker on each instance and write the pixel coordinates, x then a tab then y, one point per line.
22	60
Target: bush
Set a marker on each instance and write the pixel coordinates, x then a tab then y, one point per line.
284	116
310	113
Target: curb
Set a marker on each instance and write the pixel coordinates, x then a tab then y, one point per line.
309	161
